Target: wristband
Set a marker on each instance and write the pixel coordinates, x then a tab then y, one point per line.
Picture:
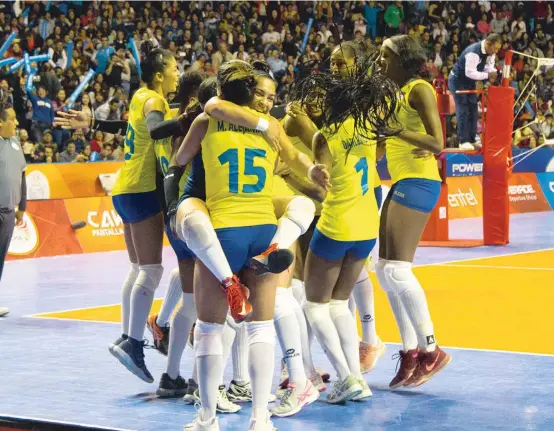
263	125
310	171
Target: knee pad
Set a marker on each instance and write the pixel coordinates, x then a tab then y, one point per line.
283	306
338	308
149	276
197	231
207	339
399	276
301	211
380	273
315	311
188	306
260	332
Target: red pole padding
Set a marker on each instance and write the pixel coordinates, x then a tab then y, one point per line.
497	151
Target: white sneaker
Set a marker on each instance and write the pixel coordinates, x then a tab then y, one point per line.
223	403
344	390
366	392
261	424
3	311
294	399
198	425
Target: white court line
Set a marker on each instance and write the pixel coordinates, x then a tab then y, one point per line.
526	268
57	422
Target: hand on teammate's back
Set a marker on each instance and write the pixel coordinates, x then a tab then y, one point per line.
293	109
72	120
320	176
273	134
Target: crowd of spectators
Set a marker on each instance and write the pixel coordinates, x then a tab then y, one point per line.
204	34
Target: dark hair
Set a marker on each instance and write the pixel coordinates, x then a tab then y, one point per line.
237	81
4	111
154	61
369	99
412	55
207	90
188	84
494	38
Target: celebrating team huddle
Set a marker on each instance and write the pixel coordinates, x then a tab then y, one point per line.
273	223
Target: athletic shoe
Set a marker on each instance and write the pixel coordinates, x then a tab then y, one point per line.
191	396
325	376
429	364
239	393
273	260
159	334
317	381
223	403
117	342
407	364
171	388
237	298
198	425
284	376
131	354
370	354
261	424
294	399
366	392
344	390
3	311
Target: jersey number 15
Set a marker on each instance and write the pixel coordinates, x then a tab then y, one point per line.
231	156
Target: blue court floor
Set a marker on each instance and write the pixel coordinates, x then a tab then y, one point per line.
61	370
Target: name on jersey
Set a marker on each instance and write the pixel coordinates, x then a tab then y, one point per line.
350	143
222	126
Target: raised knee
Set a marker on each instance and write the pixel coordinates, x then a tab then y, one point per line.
197	231
301	211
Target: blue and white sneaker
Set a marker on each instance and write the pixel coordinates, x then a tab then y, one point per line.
131	354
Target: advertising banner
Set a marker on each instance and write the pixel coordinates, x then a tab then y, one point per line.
526	194
546	182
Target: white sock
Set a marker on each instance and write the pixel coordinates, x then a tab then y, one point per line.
407	332
401	278
241	374
352	305
142	296
126	290
261	360
228	337
305	341
179	334
296	220
171	298
288	334
209	358
197	231
348	333
363	295
194	373
320	320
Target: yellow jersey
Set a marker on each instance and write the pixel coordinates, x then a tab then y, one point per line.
350	210
239	168
138	173
400	160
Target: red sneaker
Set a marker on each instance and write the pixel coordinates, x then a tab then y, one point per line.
407	364
237	298
429	364
274	260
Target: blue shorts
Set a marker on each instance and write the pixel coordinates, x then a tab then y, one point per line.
378	196
242	243
416	193
330	249
135	207
179	247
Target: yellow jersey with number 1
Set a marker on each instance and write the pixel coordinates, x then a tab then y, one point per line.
138	173
350	211
239	168
400	160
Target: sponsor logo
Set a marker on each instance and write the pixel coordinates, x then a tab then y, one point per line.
37	186
367	318
467	168
106	223
430	339
25	237
291	353
399	194
522	192
462	199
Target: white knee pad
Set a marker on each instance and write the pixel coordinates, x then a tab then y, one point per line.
149	276
283	307
399	276
207	339
196	230
338	308
315	311
380	273
301	211
260	332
